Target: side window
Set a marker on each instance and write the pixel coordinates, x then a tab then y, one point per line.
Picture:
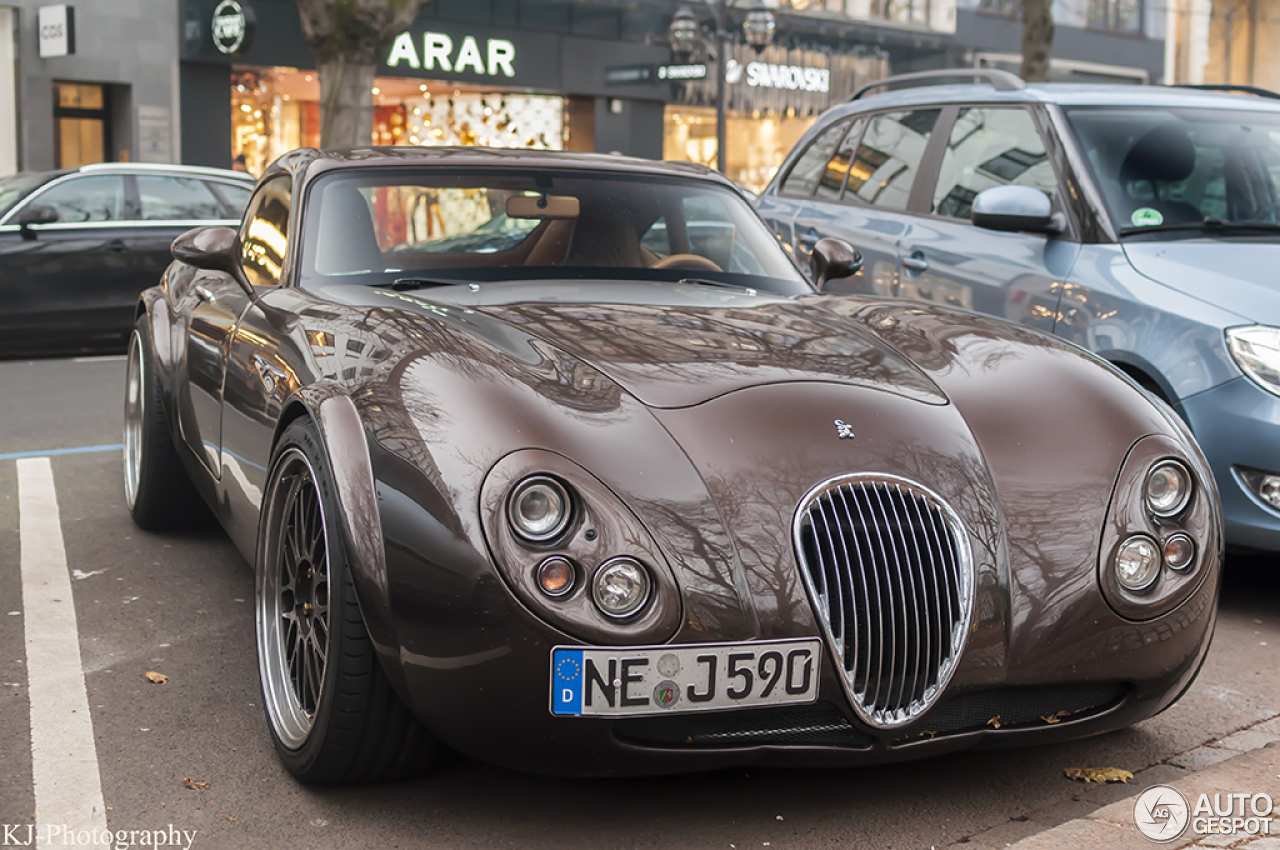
884	168
176	199
991	147
837	169
264	236
800	180
234	198
98	198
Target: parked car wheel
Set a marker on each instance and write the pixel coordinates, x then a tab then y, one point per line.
333	715
156	488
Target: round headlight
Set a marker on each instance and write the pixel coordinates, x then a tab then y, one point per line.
620	587
1137	563
539	509
1179	551
1168	488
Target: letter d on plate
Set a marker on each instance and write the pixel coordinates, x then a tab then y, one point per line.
566	682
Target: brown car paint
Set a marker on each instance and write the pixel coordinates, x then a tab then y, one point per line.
708	448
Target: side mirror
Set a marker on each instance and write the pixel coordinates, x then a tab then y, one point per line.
1013	209
833	259
37	214
217	249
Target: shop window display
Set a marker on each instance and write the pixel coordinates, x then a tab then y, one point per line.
275	110
757	143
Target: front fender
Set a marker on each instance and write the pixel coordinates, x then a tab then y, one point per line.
346	447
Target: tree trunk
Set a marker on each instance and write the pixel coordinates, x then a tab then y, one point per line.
346	103
348	39
1037	39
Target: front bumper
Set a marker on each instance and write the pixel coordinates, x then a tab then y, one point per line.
1238	424
488	698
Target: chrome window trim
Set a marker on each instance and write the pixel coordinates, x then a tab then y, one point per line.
967	589
133	223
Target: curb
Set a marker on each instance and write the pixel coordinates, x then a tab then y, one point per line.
1247	761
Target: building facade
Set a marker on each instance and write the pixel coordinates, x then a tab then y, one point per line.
206	81
96	82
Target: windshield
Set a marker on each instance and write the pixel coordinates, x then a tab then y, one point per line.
14	189
375	226
1180	167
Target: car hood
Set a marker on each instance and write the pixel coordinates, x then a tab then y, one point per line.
1234	275
674	346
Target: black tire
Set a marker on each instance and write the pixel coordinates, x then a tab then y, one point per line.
157	491
352	728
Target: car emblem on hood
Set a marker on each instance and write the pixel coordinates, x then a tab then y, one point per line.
843	431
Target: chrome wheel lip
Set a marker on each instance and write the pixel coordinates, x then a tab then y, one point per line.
289	718
134	417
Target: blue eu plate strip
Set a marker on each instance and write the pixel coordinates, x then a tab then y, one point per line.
566	681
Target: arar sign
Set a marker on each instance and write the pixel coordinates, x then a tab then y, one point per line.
438	53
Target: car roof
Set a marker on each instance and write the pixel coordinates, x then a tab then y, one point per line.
141	168
1063	94
314	162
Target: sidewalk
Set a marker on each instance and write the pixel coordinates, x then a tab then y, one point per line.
1247	762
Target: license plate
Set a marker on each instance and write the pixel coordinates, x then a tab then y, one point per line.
699	677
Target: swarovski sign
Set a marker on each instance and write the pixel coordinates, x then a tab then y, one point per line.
790	77
438	53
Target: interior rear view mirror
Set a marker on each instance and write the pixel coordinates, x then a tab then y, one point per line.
542	206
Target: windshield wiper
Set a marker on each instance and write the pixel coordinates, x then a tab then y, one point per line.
406	284
1213	225
701	281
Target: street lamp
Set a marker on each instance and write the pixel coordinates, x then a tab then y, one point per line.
685	34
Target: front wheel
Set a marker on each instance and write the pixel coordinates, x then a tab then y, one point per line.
331	710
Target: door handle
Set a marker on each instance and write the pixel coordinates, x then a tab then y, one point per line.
915	262
203	294
117	246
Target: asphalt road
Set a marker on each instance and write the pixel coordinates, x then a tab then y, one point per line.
179	604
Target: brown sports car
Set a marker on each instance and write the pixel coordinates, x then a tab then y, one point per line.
559	460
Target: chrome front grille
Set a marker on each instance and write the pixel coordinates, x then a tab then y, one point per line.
888	568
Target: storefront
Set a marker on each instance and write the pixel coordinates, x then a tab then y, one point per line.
441	83
772	98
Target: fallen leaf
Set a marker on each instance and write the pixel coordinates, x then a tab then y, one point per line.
195	786
1054	718
1098	774
994	722
230	818
157	678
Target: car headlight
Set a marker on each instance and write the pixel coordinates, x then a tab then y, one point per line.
539	509
1137	563
620	587
1167	489
1256	350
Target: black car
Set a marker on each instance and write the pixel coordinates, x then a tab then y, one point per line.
78	245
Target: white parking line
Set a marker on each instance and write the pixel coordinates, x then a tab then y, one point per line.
64	759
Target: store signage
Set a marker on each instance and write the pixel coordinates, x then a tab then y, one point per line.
616	75
497	59
791	77
57	25
679	73
232	27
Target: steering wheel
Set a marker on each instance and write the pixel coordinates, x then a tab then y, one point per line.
676	261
